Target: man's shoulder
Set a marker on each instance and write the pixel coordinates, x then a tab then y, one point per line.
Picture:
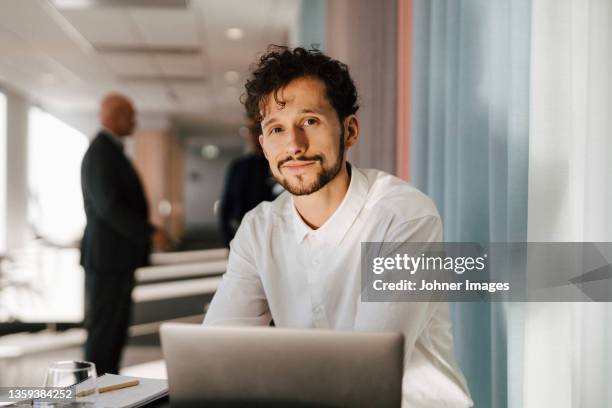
96	145
101	153
100	142
388	193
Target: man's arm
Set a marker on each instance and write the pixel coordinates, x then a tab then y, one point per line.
240	299
103	186
410	318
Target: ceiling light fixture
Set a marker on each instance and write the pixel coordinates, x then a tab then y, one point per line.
210	152
77	4
234	33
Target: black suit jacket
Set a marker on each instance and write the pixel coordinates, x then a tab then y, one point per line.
248	183
117	235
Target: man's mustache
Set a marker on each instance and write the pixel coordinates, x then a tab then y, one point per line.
316	157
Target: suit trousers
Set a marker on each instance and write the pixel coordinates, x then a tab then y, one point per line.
108	306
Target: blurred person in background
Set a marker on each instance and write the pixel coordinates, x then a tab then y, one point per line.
118	236
248	182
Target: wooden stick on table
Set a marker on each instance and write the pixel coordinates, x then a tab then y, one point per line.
108	388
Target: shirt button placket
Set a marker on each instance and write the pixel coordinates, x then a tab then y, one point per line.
318	310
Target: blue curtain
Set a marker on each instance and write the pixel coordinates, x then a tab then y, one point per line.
312	24
470	124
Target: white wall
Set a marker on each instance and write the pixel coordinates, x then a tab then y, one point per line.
370	52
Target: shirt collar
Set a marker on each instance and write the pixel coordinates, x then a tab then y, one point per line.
336	227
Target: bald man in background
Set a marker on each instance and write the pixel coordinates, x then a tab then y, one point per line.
118	236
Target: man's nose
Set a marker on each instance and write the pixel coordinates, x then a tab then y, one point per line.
297	142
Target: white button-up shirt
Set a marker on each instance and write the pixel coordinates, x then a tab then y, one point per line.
279	268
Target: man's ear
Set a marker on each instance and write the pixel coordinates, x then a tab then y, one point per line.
351	130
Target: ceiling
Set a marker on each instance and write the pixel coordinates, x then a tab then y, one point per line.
175	58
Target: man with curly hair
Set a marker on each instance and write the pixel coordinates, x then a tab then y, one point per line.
296	260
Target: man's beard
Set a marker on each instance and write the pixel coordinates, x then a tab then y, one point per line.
327	173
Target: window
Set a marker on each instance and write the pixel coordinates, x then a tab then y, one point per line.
2	173
55	203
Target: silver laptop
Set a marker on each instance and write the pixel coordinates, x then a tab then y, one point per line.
274	367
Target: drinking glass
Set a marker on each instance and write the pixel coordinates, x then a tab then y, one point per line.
63	374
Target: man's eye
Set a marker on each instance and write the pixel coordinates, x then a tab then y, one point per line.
310	122
275	130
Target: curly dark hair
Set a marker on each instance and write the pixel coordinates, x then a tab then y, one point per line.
281	65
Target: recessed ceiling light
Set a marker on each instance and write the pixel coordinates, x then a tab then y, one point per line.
234	33
232	77
67	4
119	3
210	152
